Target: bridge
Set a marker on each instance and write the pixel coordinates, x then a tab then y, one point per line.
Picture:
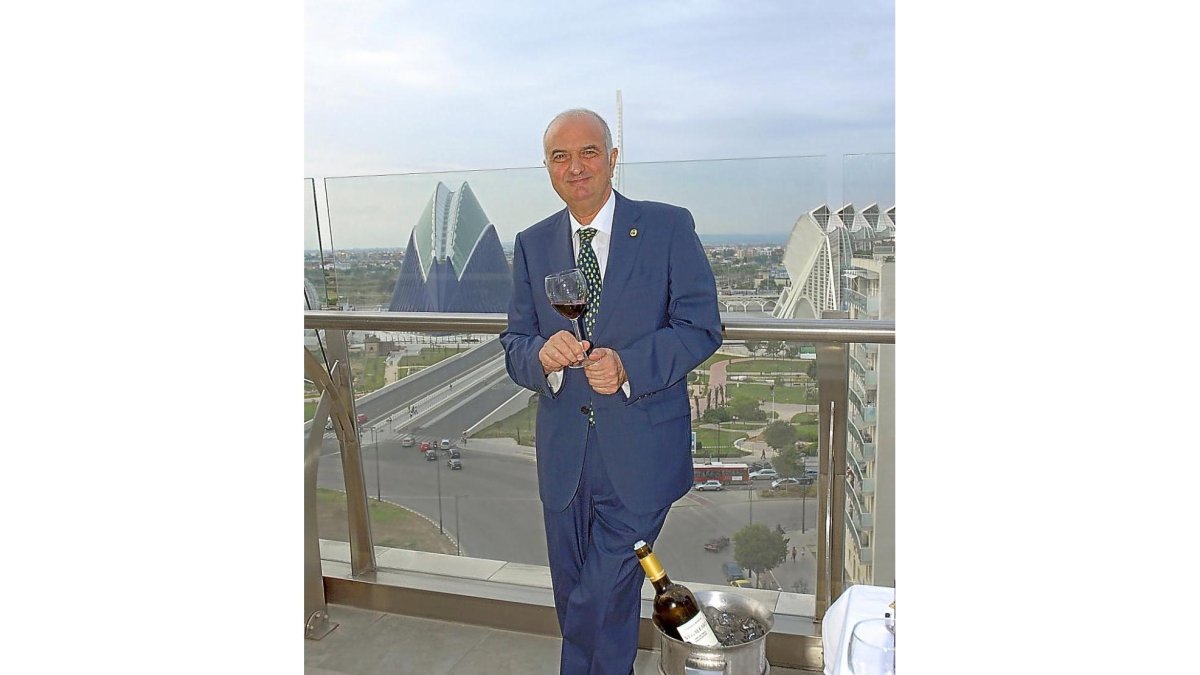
746	301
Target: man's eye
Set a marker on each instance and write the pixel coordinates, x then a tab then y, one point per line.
558	157
590	153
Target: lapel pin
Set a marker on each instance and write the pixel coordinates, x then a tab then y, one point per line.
633	231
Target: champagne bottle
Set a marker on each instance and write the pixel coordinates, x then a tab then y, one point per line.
675	606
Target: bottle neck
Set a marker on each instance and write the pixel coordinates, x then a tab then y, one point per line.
655	572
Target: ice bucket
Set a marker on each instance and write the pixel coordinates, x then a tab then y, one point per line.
680	658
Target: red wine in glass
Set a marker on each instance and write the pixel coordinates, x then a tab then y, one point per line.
567	292
571	310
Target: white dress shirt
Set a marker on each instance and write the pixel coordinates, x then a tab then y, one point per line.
603	224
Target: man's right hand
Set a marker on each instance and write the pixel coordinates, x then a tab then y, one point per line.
562	350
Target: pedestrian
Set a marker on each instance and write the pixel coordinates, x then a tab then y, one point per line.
614	436
793	555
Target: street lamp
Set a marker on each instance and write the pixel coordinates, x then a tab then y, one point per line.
439	486
375	435
457	529
772	402
752	502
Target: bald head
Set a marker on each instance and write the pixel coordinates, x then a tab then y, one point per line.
579	112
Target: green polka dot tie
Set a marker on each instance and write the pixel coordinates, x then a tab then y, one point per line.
591	270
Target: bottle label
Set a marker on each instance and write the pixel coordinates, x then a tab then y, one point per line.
697	631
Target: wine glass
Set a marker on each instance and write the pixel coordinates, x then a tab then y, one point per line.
873	647
567	292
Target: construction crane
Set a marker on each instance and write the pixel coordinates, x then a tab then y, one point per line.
620	143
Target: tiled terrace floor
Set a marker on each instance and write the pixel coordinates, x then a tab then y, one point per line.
368	642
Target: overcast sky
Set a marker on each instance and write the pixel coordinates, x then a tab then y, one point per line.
404	86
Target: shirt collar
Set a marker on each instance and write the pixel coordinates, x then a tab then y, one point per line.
604	217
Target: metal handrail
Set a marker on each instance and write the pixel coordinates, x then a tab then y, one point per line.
801	330
832	336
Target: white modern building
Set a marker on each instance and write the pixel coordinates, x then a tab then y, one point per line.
846	260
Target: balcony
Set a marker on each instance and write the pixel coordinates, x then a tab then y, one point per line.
868	486
493	606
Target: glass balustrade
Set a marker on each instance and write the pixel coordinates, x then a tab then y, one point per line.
442	242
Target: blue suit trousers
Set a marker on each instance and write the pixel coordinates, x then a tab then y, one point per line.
597	578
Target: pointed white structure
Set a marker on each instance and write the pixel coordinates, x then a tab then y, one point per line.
809	264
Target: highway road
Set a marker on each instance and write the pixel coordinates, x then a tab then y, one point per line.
491	506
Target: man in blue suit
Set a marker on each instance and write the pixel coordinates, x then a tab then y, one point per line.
613	437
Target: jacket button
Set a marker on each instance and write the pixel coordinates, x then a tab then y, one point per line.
585	409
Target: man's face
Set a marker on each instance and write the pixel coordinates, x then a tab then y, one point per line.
579	170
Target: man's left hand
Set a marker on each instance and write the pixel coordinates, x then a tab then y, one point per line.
604	370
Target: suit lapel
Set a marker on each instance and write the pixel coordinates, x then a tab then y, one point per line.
561	252
622	253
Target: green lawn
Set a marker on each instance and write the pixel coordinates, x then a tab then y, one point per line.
769	366
519	427
762	392
709	438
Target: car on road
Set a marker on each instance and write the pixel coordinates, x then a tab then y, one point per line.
784	483
810	473
362	418
732	571
709	485
407	440
454	463
755	466
764	474
444	444
716	545
455	453
431	456
740	583
329	425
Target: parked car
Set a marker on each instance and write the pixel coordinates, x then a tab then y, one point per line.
455	453
444	444
810	473
431	456
732	571
764	474
807	480
740	583
716	545
407	440
709	485
454	463
784	483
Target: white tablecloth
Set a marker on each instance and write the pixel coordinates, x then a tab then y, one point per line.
855	604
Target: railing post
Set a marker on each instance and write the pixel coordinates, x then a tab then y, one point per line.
316	613
833	379
362	553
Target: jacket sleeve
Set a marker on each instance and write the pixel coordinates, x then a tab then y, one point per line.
693	329
522	339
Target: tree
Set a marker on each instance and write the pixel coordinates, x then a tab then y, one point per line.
779	435
747	409
712	415
790	461
759	548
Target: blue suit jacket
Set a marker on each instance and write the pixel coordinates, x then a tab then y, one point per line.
658	310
